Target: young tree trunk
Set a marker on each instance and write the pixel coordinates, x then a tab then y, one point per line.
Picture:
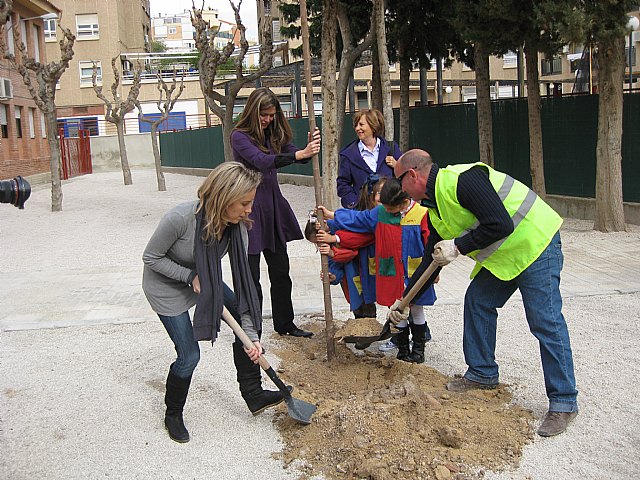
227	128
405	71
383	57
376	84
536	159
609	215
483	104
126	171
54	149
330	146
162	186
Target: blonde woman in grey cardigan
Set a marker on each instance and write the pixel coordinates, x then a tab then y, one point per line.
182	268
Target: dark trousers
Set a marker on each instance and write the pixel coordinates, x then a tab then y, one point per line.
278	267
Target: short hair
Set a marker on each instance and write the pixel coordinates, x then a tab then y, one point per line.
279	131
225	185
392	194
374	118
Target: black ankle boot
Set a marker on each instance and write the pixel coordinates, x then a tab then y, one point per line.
402	340
175	398
250	381
260	400
419	337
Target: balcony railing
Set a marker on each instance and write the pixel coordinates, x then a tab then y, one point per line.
633	56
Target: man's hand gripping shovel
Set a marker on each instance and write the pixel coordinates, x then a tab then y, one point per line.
363	342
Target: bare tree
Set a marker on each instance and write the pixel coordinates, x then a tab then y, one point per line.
383	57
349	56
165	104
211	58
536	153
118	109
42	90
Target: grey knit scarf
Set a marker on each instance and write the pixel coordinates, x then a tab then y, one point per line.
208	314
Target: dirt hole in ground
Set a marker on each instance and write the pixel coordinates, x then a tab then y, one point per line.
380	418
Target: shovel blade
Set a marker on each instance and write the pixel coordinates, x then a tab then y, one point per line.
300	410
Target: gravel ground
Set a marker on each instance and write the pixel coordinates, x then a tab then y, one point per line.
83	402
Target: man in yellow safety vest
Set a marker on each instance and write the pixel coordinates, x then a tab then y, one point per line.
513	236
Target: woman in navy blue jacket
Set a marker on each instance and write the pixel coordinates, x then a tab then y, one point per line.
369	154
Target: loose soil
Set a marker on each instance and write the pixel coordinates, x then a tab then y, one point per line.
380	418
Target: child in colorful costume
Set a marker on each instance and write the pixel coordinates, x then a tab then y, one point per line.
401	232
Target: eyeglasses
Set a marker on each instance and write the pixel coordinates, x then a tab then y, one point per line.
401	177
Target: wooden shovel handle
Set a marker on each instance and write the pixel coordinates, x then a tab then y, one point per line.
424	278
244	338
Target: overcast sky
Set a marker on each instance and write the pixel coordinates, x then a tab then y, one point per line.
247	11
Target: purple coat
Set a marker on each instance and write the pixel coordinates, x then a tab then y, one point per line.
354	171
272	215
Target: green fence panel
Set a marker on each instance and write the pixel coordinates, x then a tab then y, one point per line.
569	137
448	132
200	148
511	138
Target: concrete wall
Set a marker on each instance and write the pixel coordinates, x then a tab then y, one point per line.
585	208
105	152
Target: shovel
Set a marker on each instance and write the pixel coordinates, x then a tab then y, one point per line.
299	410
363	342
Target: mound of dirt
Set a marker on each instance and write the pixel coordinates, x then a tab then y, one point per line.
380	418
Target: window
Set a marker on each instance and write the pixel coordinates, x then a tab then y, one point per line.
43	125
36	43
18	122
10	40
87	26
510	60
275	34
86	73
32	128
50	30
23	32
172	30
4	130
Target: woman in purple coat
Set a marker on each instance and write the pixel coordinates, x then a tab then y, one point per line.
369	154
262	141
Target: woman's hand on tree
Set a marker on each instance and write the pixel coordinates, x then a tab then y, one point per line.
312	148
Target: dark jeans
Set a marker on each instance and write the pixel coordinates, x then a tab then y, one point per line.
180	330
278	267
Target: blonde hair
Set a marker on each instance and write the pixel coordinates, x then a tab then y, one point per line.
225	185
278	131
374	118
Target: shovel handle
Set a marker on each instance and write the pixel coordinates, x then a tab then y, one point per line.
424	278
244	338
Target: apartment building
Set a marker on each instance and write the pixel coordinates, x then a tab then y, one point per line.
103	30
24	149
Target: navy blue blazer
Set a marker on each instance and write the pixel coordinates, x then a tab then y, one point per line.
353	171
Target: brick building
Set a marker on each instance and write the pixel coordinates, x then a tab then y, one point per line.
24	149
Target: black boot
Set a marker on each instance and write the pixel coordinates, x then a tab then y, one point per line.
402	340
419	337
175	398
250	380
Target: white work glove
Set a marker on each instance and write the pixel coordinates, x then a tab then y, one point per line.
395	315
445	252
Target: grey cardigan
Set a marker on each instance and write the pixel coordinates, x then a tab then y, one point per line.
169	261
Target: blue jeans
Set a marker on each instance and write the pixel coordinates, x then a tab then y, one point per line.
180	331
539	286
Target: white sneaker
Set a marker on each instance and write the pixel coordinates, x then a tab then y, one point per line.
387	346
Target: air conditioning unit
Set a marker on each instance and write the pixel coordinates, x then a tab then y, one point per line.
6	89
